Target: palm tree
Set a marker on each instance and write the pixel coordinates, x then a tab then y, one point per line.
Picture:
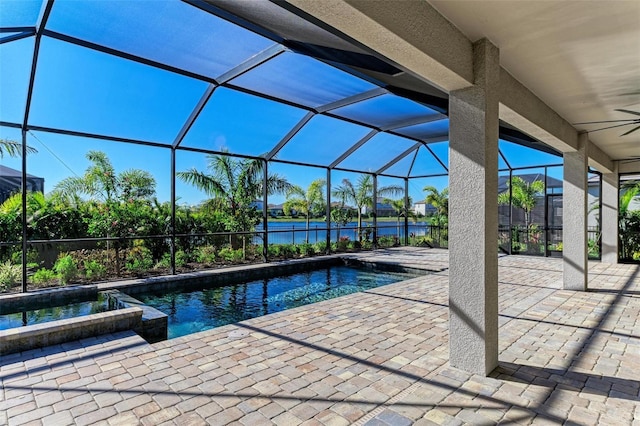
116	197
401	210
234	185
440	201
101	183
524	195
629	221
362	194
13	148
306	202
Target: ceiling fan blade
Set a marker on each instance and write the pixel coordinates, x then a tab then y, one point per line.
628	111
611	127
607	121
630	131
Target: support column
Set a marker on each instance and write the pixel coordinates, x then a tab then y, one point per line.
574	216
609	201
473	216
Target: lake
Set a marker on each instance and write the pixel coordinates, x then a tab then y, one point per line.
292	232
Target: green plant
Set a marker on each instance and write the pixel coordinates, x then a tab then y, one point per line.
306	250
342	243
94	270
138	260
230	255
320	247
388	241
206	254
361	194
182	258
10	275
66	269
43	276
273	250
636	255
355	245
32	256
165	262
593	248
307	202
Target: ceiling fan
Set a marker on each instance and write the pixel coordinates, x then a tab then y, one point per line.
625	122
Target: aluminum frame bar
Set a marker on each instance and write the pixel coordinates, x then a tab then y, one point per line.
413	122
15	37
364	96
251	63
289	135
398	158
351	150
444	166
194	115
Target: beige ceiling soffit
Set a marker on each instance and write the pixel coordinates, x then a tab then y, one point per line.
412	34
599	160
525	111
629	166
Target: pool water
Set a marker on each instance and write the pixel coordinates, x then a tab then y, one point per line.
71	310
193	311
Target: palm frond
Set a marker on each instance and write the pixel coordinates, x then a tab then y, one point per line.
203	182
13	148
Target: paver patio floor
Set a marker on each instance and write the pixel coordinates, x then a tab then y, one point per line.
375	358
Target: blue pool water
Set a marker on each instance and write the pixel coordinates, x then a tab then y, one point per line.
38	316
193	311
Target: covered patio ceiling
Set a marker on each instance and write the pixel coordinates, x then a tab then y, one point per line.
193	76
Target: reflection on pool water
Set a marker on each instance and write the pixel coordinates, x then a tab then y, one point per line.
71	310
193	311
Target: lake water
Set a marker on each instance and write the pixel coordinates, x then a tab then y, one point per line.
284	232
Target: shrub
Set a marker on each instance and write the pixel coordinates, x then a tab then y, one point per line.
94	270
306	249
273	250
320	247
388	241
288	250
43	276
636	255
181	260
230	255
138	260
66	269
355	245
32	256
206	254
165	262
342	244
10	275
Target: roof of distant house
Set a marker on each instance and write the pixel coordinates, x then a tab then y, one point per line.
9	172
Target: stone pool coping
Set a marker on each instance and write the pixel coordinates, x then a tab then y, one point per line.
54	332
17	302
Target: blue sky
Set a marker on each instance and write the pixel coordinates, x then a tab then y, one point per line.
89	91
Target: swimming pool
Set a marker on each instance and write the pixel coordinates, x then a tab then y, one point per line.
197	310
53	313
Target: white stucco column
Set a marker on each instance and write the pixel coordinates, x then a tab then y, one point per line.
574	216
609	200
473	216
